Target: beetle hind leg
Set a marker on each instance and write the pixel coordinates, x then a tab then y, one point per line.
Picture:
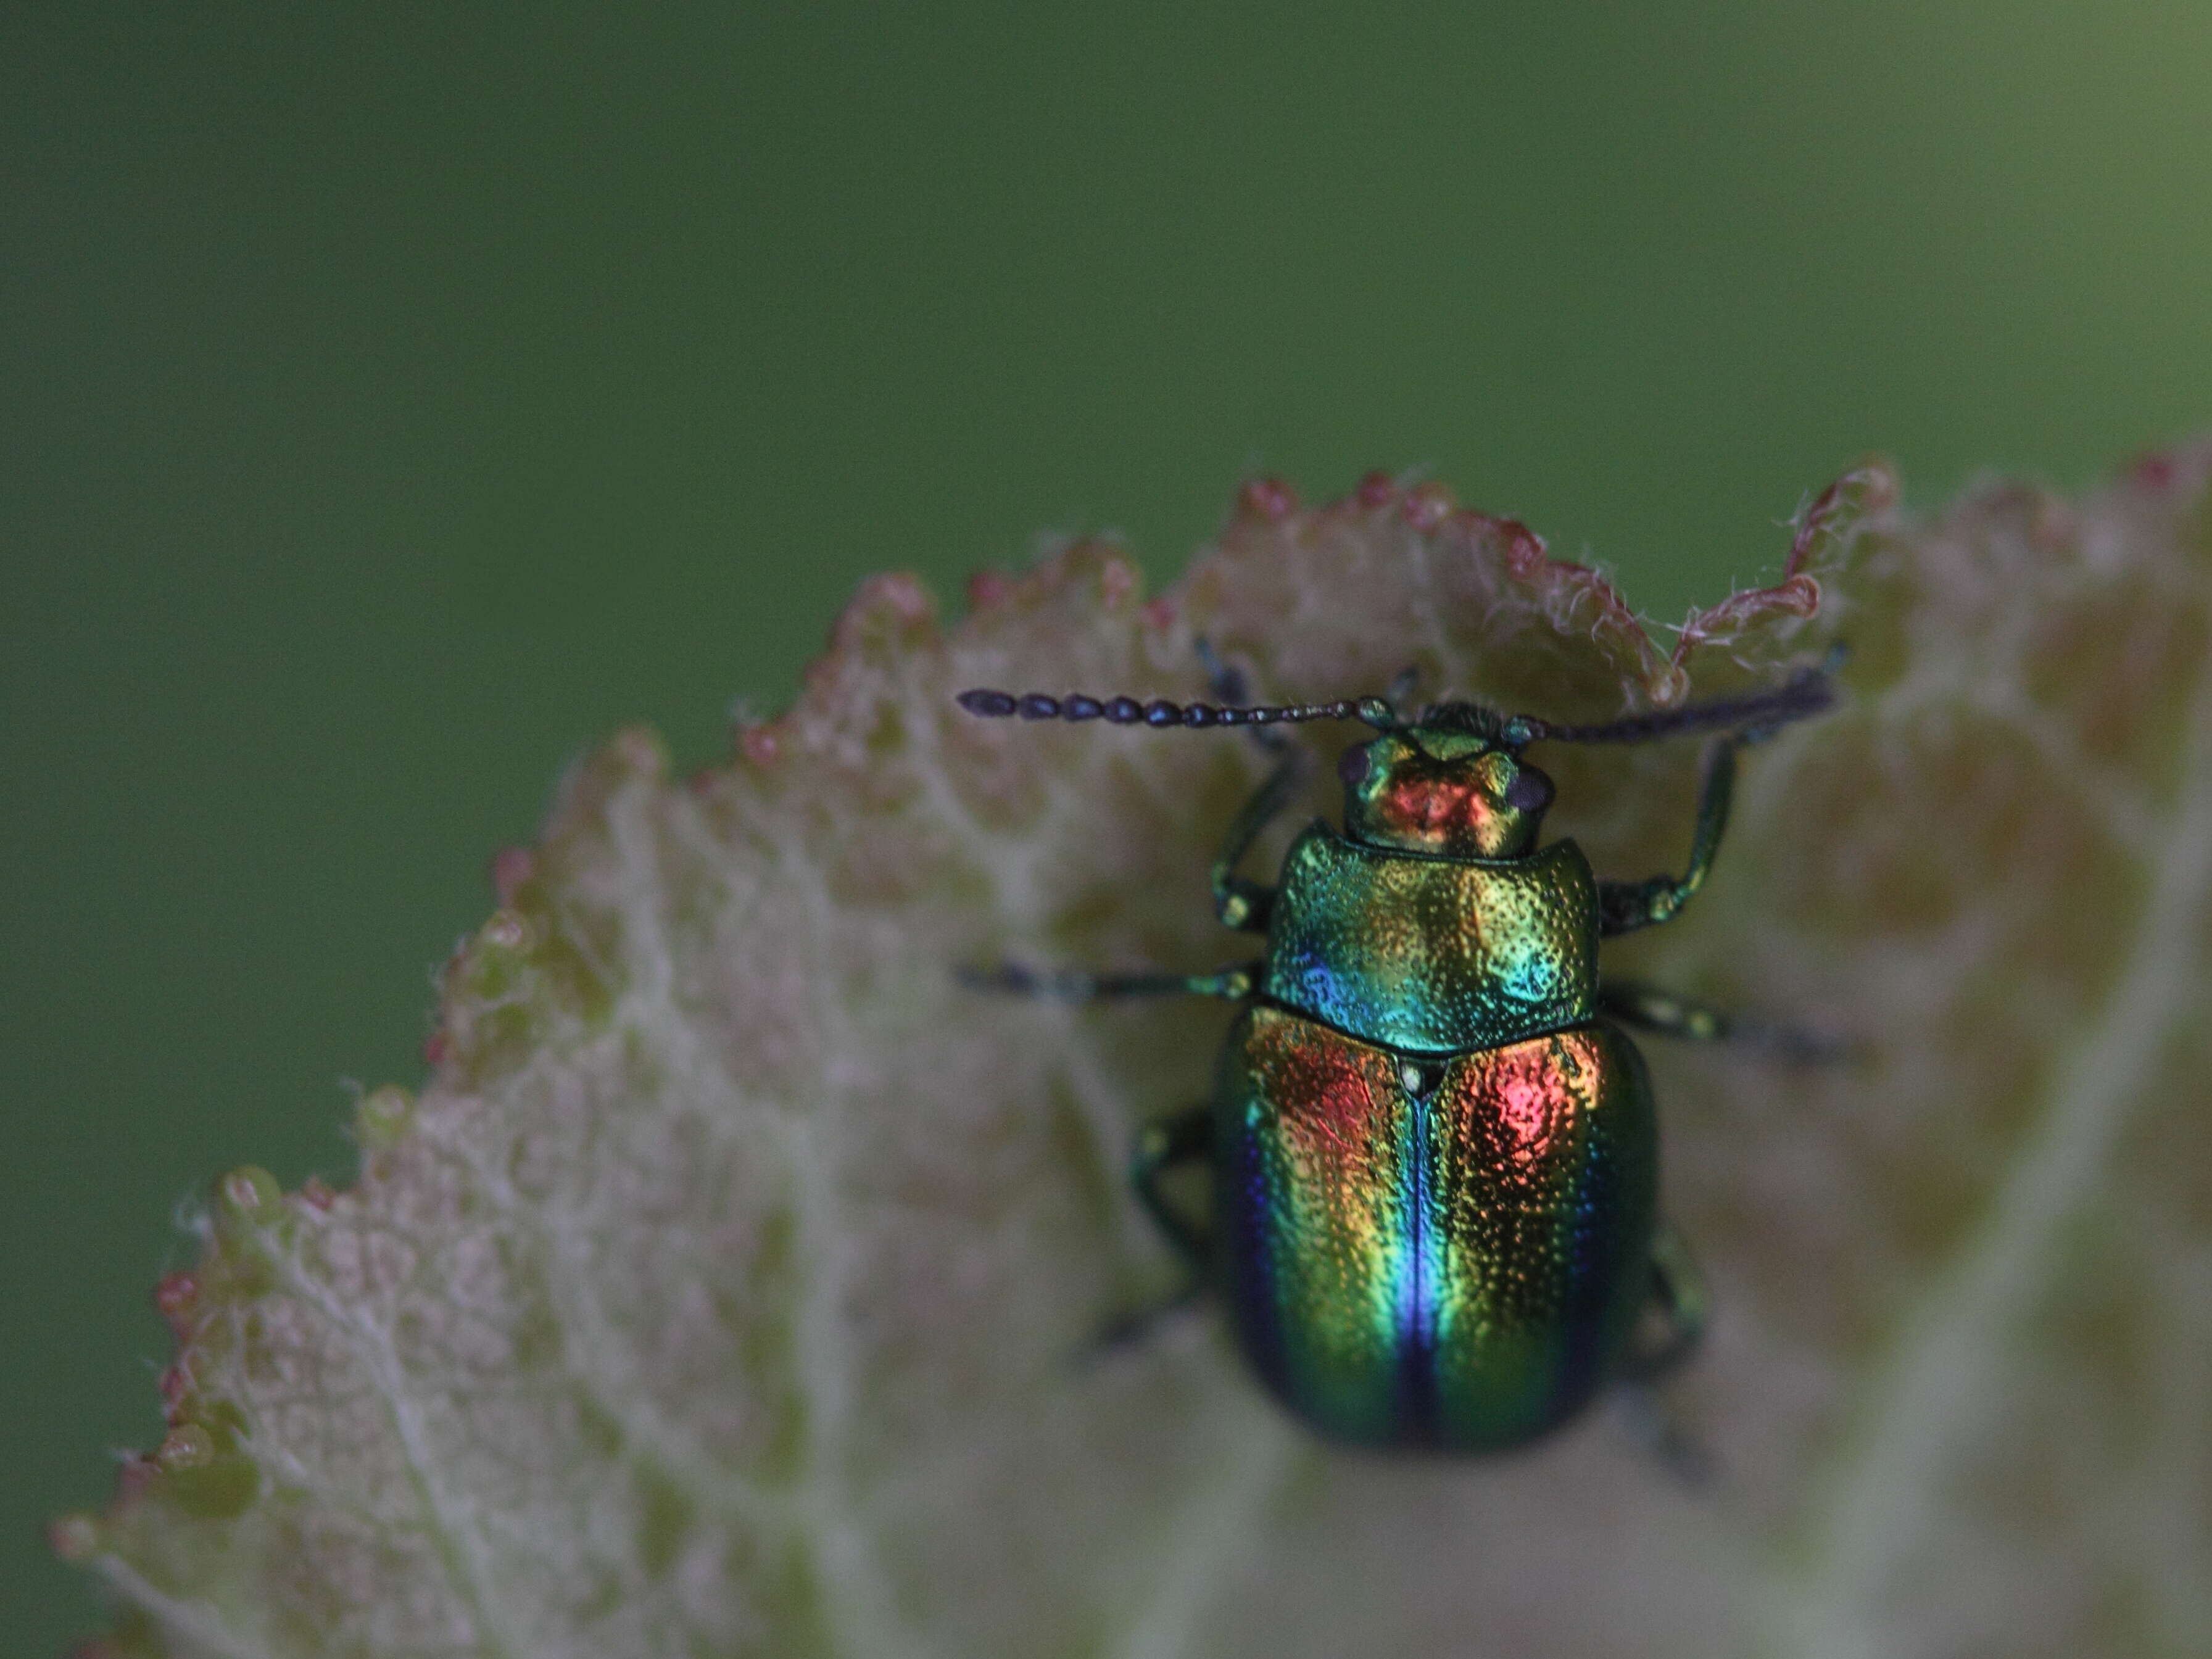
1665	1340
1664	1345
1185	1139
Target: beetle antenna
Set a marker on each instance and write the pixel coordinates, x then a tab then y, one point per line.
1807	692
1160	713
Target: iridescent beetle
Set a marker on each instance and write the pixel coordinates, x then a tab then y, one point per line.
1434	1155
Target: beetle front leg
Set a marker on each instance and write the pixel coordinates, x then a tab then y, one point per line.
1626	906
1242	904
1239	904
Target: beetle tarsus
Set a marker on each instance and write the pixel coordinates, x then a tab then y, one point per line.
1132	1329
1685	1458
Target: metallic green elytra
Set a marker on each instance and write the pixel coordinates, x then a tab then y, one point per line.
1434	1154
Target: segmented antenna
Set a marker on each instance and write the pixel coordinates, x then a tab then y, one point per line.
1160	713
1807	692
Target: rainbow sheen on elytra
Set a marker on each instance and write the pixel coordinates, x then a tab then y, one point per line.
1460	1268
1436	1162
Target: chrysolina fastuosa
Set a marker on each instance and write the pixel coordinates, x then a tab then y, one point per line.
1433	1148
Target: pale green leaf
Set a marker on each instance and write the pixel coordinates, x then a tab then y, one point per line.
719	1293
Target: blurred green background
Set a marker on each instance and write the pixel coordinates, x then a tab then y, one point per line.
392	399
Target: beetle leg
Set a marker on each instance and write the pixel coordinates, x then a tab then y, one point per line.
1650	1009
1678	1296
1130	1329
1626	906
1239	904
1184	1139
1232	984
1244	904
1227	684
1661	1434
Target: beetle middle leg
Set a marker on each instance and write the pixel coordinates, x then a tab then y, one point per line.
1650	1009
1187	1138
1080	985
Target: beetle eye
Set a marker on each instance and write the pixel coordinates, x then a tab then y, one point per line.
1529	791
1352	765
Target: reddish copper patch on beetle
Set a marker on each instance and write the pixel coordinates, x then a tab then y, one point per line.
1458	806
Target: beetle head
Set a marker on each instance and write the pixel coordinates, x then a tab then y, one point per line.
1454	783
